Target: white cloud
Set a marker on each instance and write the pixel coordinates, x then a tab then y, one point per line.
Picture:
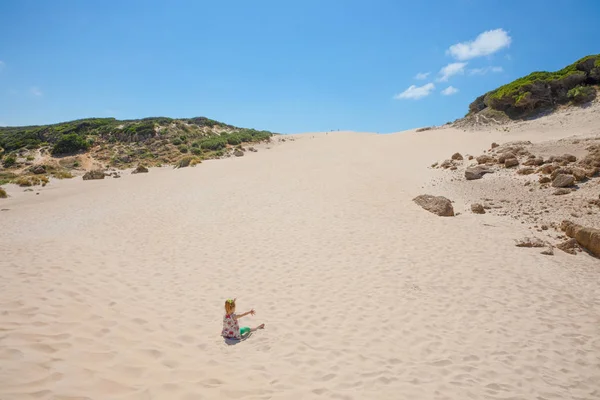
36	91
422	75
416	92
450	90
485	70
450	70
485	44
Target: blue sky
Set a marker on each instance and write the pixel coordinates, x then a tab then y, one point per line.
285	66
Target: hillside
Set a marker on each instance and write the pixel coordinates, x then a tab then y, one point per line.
29	153
541	91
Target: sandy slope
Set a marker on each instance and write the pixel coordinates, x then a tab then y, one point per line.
114	289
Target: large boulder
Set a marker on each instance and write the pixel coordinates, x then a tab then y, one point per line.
511	162
477	172
588	238
457	156
96	174
563	181
438	205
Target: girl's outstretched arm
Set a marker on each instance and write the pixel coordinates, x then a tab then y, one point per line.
251	312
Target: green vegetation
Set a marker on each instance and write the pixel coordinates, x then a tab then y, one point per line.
69	144
544	89
581	94
121	143
9	161
187	161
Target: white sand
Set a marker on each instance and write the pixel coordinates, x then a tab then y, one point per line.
114	289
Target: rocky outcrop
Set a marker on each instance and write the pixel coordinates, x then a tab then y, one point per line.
543	90
477	172
588	238
438	205
96	174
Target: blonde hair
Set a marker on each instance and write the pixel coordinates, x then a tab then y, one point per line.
229	306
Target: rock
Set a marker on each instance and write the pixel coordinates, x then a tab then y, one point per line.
561	170
531	242
238	153
438	205
434	165
471	157
563	180
96	174
453	168
511	162
549	251
526	171
485	159
545	179
505	156
494	145
477	172
548	168
140	170
38	169
569	246
457	156
446	164
252	149
588	238
477	208
561	191
537	161
569	157
579	174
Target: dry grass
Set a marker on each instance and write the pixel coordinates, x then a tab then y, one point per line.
3	194
31	180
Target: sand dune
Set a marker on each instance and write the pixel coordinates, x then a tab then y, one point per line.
114	289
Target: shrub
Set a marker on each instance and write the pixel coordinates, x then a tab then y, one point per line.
30	158
184	162
3	194
581	94
183	148
31	180
196	151
214	143
233	140
61	174
9	161
196	144
70	143
176	141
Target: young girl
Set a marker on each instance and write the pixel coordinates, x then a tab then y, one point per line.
231	327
